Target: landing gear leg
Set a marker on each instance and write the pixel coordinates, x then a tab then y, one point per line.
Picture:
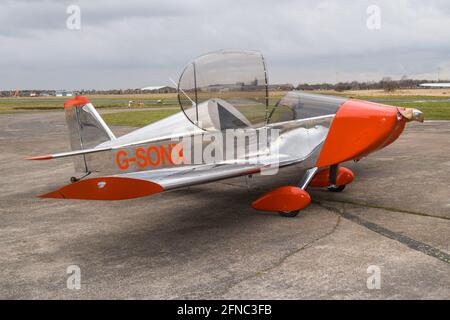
75	179
333	178
290	214
336	188
333	174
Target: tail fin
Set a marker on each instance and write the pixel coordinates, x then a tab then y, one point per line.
86	129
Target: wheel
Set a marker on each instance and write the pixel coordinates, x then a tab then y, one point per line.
290	214
337	188
73	179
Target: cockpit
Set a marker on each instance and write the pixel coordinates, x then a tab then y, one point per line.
229	90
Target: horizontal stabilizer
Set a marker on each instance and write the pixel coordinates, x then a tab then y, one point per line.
102	149
69	154
106	188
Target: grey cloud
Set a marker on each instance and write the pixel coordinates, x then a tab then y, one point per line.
137	43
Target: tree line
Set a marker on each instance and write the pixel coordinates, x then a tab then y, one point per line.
387	84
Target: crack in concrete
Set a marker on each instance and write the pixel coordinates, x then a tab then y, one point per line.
283	259
407	241
368	205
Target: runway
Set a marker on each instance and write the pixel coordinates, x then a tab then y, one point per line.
207	242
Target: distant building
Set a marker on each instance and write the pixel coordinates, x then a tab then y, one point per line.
63	93
435	85
159	89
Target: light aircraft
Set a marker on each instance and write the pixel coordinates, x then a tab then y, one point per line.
228	126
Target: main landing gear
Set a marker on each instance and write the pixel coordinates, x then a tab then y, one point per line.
75	179
288	201
336	188
302	184
291	214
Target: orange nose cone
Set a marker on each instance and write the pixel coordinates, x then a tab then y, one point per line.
358	129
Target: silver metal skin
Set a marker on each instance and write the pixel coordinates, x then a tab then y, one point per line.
86	130
299	143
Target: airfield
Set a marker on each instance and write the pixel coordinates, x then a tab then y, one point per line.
206	242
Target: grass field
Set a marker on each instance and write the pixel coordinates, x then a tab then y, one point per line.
433	110
38	104
8	106
404	93
136	118
394	97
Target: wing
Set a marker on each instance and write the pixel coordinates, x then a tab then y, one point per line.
144	183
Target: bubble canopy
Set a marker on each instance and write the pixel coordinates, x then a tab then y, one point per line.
225	90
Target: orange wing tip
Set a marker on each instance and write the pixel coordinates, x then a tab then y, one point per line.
284	199
54	194
76	101
44	157
106	188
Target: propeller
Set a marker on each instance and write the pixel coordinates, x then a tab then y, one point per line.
411	114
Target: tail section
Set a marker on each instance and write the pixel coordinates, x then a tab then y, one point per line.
86	129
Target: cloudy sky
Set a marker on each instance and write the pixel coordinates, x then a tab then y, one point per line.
136	43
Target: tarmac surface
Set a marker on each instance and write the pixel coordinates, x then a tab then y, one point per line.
207	242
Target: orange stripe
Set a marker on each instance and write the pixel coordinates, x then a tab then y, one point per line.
44	157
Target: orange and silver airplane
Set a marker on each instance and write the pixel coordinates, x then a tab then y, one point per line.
228	127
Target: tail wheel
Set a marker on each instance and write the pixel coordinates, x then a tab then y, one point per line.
337	188
290	214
